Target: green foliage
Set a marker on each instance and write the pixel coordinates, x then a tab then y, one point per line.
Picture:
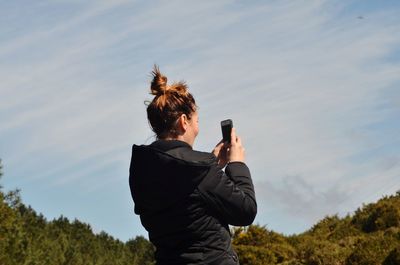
257	236
314	251
255	255
370	237
11	232
258	245
393	258
27	238
382	215
143	249
372	249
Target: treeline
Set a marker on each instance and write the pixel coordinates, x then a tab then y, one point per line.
27	238
371	236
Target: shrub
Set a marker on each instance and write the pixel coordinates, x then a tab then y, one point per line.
393	258
379	216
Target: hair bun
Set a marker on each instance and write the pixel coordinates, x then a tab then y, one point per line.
159	84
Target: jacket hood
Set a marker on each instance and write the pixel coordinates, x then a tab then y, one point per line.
165	172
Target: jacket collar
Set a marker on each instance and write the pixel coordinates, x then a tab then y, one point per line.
166	145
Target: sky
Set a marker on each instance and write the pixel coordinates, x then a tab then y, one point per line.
312	88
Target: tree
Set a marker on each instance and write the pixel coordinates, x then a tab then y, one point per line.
393	258
373	248
1	174
11	231
258	245
26	237
142	251
370	236
379	216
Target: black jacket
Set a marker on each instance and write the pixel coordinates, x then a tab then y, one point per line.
186	202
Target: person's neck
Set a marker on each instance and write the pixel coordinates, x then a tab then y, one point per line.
179	138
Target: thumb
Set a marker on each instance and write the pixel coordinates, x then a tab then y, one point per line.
220	144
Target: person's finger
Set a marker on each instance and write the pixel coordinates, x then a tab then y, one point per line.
233	136
238	140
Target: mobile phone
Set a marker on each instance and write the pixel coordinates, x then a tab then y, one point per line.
226	128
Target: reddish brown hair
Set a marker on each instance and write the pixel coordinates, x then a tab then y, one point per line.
169	103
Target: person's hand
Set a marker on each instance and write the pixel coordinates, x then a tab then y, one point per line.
221	153
235	149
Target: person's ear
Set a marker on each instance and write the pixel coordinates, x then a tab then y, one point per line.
183	122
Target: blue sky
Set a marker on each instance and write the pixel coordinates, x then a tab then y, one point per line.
312	88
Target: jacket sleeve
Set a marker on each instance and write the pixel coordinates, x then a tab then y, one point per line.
230	194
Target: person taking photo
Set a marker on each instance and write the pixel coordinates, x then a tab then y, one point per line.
186	199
